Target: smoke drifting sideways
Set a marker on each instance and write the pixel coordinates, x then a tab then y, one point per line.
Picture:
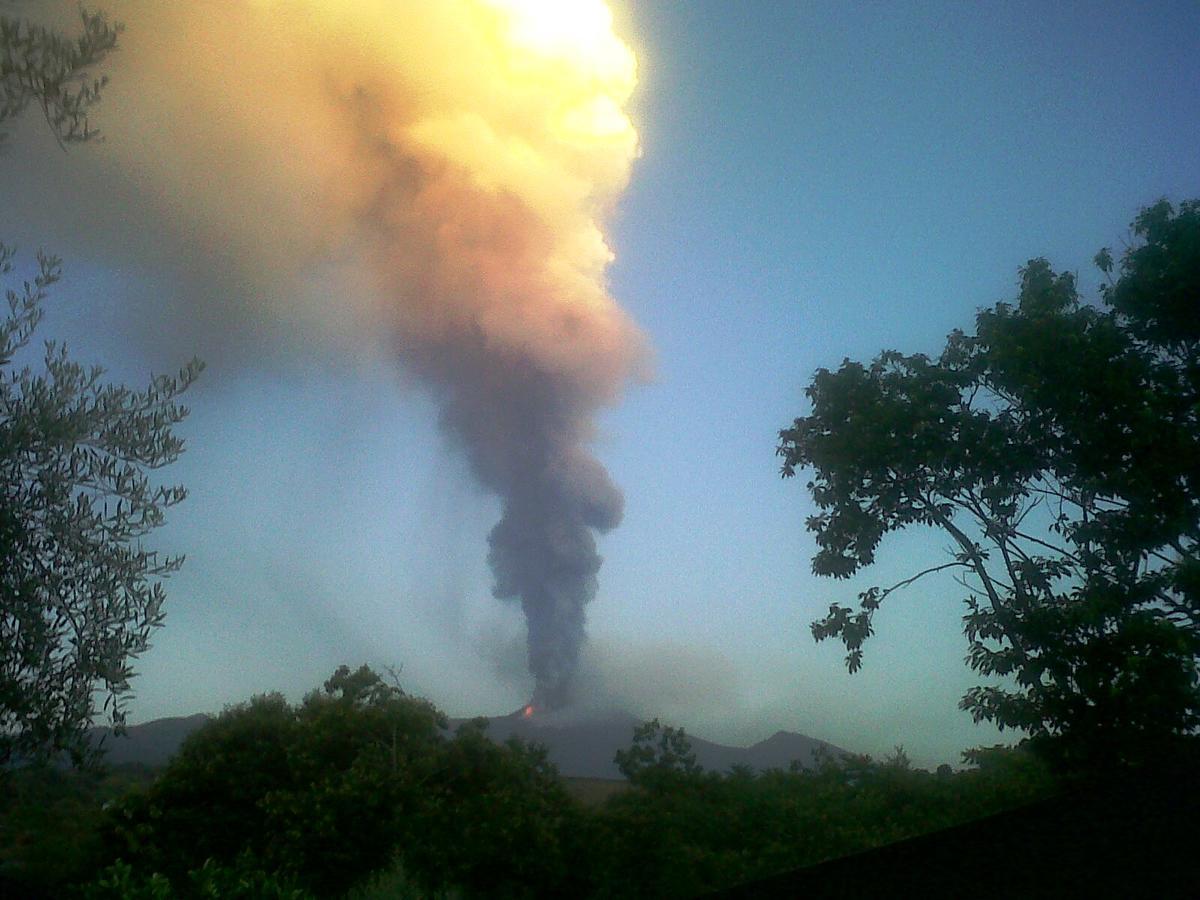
437	174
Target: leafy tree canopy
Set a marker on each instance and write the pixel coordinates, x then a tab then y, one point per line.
79	592
359	776
657	753
1058	446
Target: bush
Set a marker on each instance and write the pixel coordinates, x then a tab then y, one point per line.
332	792
682	832
210	882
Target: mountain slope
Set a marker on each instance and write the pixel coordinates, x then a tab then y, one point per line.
150	744
581	746
584	747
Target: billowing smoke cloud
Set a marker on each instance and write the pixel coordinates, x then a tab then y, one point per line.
435	174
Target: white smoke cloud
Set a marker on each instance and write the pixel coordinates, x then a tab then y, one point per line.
429	180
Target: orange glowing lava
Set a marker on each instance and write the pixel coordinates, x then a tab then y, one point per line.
527	712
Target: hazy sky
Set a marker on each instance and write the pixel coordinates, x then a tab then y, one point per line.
815	181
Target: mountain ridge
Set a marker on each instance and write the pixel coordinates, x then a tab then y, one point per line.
581	745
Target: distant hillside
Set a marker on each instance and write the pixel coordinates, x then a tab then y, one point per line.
582	746
150	744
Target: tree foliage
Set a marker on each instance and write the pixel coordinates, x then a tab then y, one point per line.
80	592
287	782
657	752
682	831
1058	447
41	66
359	792
501	824
359	776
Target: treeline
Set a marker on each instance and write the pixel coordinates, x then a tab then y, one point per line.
358	792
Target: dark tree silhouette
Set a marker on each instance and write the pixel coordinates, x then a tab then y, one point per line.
79	592
41	66
1058	446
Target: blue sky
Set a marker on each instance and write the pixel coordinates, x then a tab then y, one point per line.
817	181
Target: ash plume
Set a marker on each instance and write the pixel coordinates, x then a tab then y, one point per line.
432	176
525	434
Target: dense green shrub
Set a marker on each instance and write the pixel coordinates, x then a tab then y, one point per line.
323	791
339	788
500	822
683	832
49	818
211	881
359	791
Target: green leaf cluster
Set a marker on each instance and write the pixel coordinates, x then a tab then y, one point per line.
658	755
683	832
359	792
329	792
211	881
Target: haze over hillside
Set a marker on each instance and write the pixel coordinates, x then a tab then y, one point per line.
580	745
584	745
